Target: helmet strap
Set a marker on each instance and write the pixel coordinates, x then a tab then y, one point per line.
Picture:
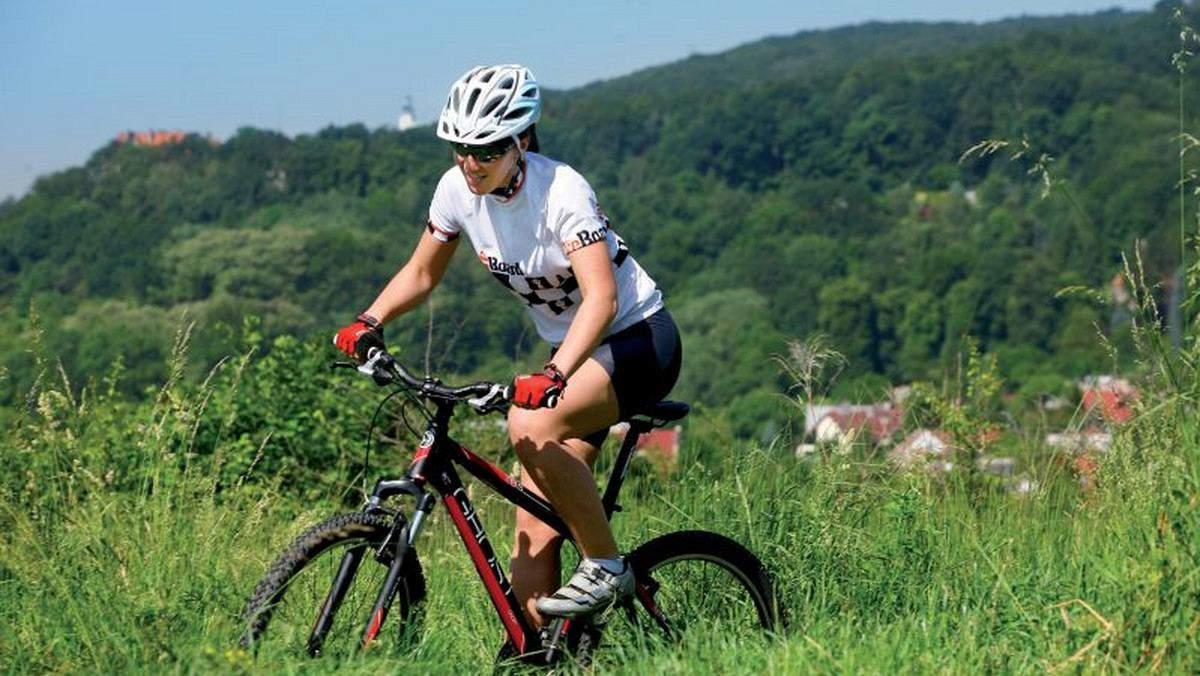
517	180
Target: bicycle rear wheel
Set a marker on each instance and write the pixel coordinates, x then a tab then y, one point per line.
694	587
296	589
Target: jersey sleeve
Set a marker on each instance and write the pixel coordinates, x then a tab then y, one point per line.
578	220
443	222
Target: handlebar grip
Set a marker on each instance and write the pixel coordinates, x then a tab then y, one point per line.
369	343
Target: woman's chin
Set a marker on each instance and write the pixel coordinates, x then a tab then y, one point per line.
477	187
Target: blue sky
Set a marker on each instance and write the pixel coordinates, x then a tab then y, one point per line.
74	73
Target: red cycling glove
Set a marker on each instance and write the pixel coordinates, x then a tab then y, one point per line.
539	390
366	332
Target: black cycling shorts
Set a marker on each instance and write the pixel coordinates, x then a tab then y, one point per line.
643	361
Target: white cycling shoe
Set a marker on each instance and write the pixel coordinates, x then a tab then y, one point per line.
590	590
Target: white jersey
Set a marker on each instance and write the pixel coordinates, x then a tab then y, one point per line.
524	242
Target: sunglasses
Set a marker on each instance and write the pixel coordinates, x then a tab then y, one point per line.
487	153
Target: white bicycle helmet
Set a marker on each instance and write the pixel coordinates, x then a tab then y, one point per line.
490	103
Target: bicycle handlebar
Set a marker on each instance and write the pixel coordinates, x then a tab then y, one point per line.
384	369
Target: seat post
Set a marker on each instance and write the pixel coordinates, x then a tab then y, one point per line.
621	466
640	422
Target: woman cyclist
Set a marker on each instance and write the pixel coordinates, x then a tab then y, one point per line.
535	225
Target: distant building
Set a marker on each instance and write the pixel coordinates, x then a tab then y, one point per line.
1000	466
1110	398
659	446
408	116
1090	439
155	138
844	422
921	446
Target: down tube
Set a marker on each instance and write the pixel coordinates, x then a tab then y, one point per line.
470	528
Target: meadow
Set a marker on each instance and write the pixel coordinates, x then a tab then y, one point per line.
132	534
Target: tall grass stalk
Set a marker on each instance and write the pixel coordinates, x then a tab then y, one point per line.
1189	44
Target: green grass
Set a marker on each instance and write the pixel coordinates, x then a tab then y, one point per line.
881	573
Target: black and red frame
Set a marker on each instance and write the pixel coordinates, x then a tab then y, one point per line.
434	467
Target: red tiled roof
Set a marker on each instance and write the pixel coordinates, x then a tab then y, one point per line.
1113	403
882	422
665	440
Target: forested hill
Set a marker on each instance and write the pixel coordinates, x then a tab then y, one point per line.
834	51
798	185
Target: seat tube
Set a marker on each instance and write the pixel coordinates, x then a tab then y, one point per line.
621	469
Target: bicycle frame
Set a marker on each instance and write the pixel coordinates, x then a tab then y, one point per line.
433	466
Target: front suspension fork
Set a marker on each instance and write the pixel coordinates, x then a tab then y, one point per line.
402	540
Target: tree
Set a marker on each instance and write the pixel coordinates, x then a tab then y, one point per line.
847	316
728	341
921	334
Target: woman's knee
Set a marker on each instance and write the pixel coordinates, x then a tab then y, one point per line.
529	434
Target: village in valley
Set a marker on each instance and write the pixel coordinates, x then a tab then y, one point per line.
881	430
1104	402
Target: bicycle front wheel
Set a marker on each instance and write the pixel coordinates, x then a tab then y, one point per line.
694	587
294	609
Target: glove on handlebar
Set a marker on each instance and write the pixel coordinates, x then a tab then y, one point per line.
539	390
365	333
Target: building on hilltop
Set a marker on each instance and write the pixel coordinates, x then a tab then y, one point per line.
156	138
408	116
921	446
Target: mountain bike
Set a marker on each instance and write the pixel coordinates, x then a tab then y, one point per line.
333	588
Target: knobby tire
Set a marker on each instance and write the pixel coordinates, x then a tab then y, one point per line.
279	617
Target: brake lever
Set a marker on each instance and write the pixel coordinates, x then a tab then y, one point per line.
495	399
371	367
